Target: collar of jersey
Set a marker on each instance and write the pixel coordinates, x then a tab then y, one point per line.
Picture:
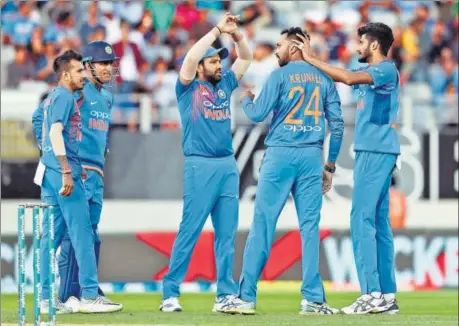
62	87
298	61
387	60
208	84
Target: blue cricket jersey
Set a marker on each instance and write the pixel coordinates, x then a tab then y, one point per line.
377	109
206	116
301	98
60	106
94	106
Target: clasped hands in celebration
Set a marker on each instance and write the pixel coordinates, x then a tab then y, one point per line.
228	23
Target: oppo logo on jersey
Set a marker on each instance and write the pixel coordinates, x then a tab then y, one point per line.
214	112
99	115
100	121
301	128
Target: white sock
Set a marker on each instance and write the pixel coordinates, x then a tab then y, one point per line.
376	294
389	297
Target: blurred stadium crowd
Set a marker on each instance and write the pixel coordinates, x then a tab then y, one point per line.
152	37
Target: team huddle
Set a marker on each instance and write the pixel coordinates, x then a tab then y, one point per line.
300	97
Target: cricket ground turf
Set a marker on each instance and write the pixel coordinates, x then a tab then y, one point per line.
277	309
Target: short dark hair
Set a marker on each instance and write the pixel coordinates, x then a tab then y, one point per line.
292	31
61	62
378	32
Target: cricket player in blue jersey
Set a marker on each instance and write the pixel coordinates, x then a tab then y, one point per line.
377	147
95	102
300	98
61	180
211	176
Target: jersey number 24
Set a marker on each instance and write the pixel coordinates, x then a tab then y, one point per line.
312	103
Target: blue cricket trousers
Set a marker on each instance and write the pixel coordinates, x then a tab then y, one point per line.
211	186
68	267
371	232
285	170
71	214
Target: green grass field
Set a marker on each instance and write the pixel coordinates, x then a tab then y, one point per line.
420	308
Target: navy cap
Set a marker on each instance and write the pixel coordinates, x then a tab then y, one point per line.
223	52
99	51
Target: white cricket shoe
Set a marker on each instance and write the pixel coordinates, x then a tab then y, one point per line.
61	308
365	304
73	304
312	308
222	301
170	305
391	308
239	307
99	305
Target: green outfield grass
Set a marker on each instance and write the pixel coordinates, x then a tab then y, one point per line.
420	308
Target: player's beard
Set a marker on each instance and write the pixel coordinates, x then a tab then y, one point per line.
105	78
214	78
282	61
364	56
104	75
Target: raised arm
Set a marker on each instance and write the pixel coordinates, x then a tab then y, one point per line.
197	51
337	74
244	55
342	75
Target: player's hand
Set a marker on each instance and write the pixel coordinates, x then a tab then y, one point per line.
84	174
228	23
304	46
327	178
67	185
247	94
